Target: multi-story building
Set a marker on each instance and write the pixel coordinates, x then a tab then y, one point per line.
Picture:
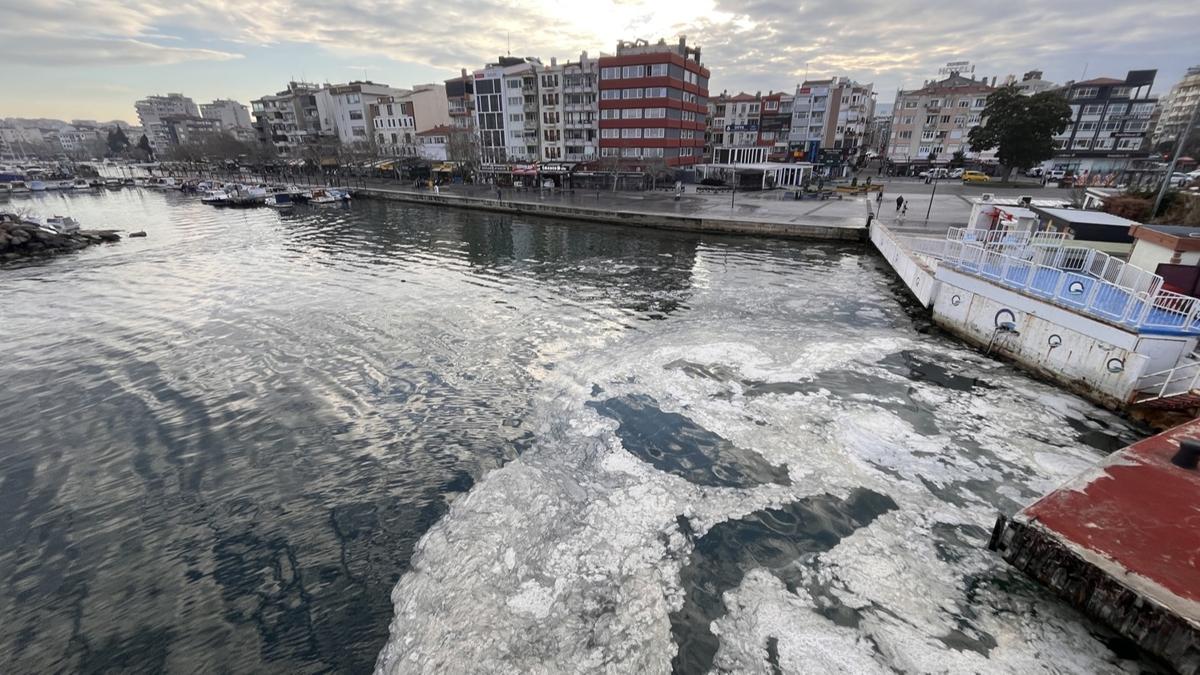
152	109
506	110
714	124
460	101
233	116
290	120
775	124
394	128
831	115
433	144
345	109
1031	83
427	103
1178	107
653	101
186	129
568	96
934	121
1110	126
878	133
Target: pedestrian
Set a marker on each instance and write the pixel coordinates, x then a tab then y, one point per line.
904	209
899	202
879	198
497	192
436	189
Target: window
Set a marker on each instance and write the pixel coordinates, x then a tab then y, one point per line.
658	70
928	135
1141	109
771	105
550	118
1092	109
964	103
515	100
935	102
1103	144
1110	126
656	92
631	114
610	133
1087	126
906	119
610	152
655	113
631	152
654	133
610	94
549	99
980	103
1085	92
1081	144
549	81
516	118
610	73
353	98
652	152
631	133
631	93
960	120
1119	92
358	131
633	71
931	119
686	152
1137	125
945	119
973	119
1117	108
1129	144
356	114
904	134
910	104
514	84
610	114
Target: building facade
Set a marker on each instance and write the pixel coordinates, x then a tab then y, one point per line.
1110	127
290	120
936	119
460	101
394	128
1178	106
1031	83
568	96
653	103
506	110
345	109
831	116
428	105
775	124
233	116
152	109
186	129
433	144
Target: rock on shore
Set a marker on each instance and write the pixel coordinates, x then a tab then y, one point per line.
24	240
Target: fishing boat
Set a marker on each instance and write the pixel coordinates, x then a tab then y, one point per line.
215	197
280	200
321	196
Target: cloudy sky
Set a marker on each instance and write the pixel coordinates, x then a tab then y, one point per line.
92	58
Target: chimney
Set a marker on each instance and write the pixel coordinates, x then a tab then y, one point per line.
993	80
553	61
464	72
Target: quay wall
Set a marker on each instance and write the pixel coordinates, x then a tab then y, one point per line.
916	276
666	221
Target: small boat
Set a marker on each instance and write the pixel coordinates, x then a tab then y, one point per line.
80	184
59	224
215	197
244	196
18	187
66	185
321	196
113	183
280	200
37	186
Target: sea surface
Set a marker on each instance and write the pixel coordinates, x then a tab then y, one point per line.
425	440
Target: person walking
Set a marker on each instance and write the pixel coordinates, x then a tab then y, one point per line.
899	202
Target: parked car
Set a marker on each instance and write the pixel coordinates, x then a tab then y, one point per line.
956	173
1180	179
1057	174
935	173
974	177
1035	172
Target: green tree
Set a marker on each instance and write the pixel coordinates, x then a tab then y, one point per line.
117	142
144	146
958	159
1022	127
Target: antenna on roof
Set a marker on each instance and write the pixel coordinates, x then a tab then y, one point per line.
508	36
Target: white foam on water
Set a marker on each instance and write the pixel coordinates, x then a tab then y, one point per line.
568	558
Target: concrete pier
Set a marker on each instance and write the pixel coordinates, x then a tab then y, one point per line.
1121	542
844	220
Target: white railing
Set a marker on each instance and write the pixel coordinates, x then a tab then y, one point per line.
1181	379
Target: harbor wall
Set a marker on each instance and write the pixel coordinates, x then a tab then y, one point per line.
666	221
916	275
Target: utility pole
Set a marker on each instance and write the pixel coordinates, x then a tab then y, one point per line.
931	196
1166	182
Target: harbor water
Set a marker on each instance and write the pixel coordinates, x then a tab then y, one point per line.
432	440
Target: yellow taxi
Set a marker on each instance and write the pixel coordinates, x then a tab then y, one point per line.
974	177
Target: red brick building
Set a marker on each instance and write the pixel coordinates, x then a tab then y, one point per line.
653	99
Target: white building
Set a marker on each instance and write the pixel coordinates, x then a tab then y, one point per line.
233	116
937	119
426	103
1178	107
345	109
1031	83
831	114
432	144
152	109
568	105
506	110
395	129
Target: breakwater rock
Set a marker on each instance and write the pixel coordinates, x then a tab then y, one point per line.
25	240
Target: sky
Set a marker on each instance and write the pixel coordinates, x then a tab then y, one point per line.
91	59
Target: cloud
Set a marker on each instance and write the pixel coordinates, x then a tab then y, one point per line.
46	51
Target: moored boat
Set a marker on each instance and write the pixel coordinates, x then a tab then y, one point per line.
80	184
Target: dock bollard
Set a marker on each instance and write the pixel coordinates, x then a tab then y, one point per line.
1188	456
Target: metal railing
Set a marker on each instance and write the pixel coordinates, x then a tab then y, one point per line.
1181	379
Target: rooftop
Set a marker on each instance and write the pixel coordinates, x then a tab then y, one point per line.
1086	217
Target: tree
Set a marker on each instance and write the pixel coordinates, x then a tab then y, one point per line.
144	146
958	159
1022	127
117	141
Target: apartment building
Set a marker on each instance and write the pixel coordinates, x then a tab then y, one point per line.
290	120
460	101
775	124
936	119
1178	106
395	128
653	103
1110	126
427	103
152	109
831	115
345	109
568	96
507	111
233	117
186	129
